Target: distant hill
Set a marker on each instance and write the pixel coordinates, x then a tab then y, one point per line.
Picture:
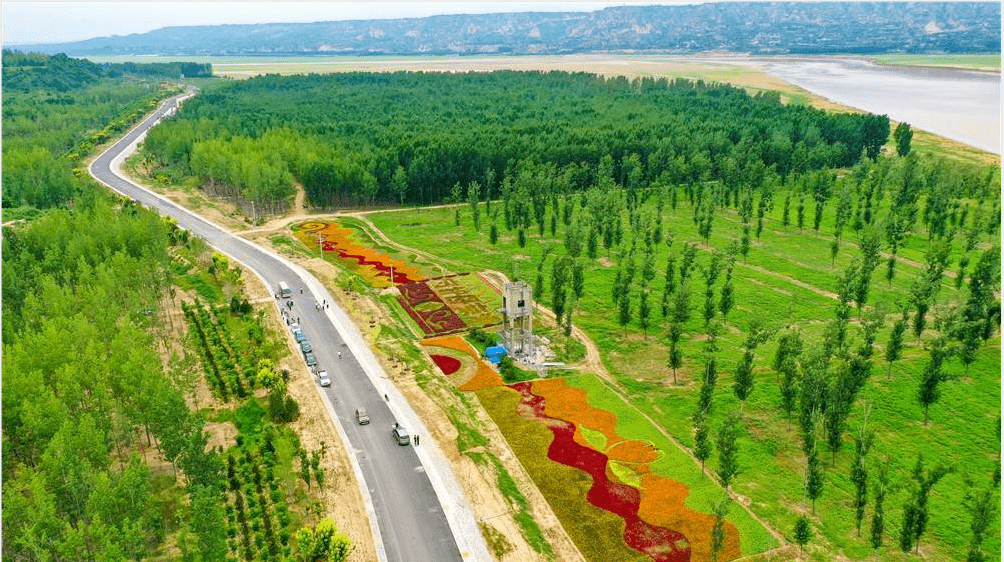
753	27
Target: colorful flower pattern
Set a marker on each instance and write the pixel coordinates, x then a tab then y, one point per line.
373	266
658	523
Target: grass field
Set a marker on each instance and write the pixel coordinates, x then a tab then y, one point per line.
787	280
982	61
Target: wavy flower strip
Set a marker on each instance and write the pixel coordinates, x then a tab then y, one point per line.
659	543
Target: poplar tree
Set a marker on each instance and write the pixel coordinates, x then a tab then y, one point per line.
915	511
624	309
644	310
578	279
717	539
859	476
803	532
728	449
493	233
702	442
894	349
813	468
670	287
727	297
743	383
981	510
786	358
687	260
801	212
933	375
675	360
473	196
903	135
878	511
786	214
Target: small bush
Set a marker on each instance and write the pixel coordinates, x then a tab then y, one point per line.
481	339
282	408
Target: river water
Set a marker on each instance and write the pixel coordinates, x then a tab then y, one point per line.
958	104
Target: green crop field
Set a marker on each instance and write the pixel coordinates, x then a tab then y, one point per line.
787	280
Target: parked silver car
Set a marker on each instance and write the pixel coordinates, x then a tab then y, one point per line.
401	435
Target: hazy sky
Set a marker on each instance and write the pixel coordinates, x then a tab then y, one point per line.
57	22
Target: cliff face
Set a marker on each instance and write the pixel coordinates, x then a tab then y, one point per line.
753	27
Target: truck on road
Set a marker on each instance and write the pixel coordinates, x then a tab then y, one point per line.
284	291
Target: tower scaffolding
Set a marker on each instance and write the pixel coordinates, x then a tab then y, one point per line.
517	320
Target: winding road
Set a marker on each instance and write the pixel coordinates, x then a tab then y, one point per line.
416	509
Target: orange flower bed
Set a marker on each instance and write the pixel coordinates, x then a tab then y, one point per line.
572	404
484	377
662	503
456	343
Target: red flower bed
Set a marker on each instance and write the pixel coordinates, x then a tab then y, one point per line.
447	364
429	311
659	543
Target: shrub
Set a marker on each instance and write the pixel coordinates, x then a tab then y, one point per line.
282	408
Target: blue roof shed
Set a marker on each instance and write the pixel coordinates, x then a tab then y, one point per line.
495	354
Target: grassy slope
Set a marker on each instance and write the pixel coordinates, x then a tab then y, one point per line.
961	432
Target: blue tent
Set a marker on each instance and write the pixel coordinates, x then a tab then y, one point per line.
496	353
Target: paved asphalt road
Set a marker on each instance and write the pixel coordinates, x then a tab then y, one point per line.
414	524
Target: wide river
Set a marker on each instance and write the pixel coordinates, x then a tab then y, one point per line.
958	104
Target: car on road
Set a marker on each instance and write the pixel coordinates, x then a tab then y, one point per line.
299	336
306	347
311	360
400	435
362	417
322	377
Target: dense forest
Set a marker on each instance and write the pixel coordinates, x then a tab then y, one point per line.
23	72
56	110
412	137
104	456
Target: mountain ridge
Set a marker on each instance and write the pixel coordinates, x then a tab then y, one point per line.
751	27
